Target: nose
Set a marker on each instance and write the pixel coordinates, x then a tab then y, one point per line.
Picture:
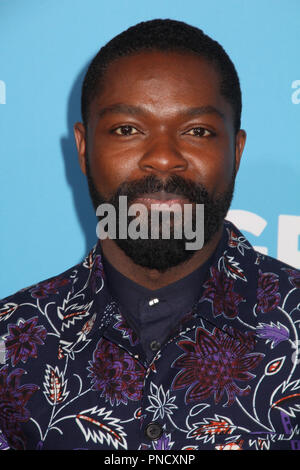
163	156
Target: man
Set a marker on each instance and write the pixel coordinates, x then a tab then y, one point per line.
148	344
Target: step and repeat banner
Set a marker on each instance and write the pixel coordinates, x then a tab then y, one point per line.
47	221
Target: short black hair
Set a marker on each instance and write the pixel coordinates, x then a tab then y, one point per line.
163	35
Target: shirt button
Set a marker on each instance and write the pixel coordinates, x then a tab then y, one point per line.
153	431
153	302
154	345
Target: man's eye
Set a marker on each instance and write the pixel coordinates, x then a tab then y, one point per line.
199	132
125	130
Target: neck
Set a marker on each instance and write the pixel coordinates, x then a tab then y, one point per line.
151	278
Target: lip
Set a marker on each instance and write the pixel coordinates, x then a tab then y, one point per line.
161	198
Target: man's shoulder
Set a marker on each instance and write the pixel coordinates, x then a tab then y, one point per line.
288	275
255	263
33	300
277	285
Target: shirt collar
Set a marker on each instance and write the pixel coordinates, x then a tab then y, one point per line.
229	288
172	295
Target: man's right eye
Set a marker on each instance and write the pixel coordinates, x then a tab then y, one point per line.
125	130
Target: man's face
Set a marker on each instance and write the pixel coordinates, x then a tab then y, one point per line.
160	118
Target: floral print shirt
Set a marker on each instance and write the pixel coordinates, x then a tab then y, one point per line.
73	374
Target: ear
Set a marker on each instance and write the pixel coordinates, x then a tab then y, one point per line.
80	139
240	141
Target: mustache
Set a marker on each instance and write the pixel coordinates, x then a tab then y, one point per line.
175	184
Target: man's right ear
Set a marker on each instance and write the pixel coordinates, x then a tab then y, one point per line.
80	139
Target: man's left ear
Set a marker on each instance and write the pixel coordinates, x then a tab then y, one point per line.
240	141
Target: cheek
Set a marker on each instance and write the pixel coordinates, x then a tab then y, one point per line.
226	163
108	169
105	174
215	168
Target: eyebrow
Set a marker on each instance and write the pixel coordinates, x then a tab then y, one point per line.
120	108
200	110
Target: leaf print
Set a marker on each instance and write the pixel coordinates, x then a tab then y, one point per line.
289	399
190	448
231	267
87	328
70	313
55	386
198	408
7	310
97	425
235	445
209	427
238	242
127	332
274	366
274	333
67	348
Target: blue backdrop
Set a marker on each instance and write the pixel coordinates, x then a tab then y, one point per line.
47	221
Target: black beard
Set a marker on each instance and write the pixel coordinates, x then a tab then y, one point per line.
162	254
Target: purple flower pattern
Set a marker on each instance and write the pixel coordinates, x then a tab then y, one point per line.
213	362
13	400
23	338
267	292
116	374
44	289
219	291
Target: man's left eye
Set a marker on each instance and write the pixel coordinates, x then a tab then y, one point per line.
125	130
199	132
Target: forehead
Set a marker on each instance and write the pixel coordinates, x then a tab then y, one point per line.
161	80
